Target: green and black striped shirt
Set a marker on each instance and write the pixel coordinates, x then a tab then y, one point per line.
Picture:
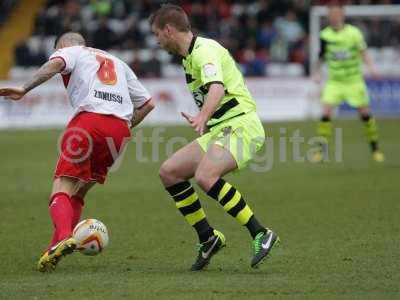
341	50
208	62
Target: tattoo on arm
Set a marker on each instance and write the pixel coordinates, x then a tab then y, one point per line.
46	71
141	113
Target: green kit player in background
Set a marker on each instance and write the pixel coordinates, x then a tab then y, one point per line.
342	48
230	133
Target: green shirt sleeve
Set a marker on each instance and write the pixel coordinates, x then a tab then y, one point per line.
209	64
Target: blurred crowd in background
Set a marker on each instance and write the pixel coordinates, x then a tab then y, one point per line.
5	7
257	33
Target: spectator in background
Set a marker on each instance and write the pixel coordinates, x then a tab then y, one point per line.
395	31
299	54
289	28
198	17
5	8
103	37
233	35
132	38
40	56
266	34
152	67
252	28
374	34
238	25
49	21
279	27
264	13
254	65
101	8
71	16
279	51
23	55
302	10
254	59
26	57
136	66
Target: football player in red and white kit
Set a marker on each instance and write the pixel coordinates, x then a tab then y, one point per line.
107	99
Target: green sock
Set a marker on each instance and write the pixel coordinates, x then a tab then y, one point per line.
371	131
324	130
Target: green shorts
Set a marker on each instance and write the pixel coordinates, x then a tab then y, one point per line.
354	93
242	136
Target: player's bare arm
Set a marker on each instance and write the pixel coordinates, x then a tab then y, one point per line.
46	71
214	96
317	73
370	65
141	112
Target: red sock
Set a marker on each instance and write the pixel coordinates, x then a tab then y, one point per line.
54	239
60	210
77	204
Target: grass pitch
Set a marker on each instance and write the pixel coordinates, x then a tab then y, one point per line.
338	222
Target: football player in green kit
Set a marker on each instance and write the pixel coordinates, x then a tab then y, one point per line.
230	133
343	49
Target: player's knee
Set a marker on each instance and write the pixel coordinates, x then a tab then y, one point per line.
65	185
83	190
204	179
365	114
327	112
80	194
167	172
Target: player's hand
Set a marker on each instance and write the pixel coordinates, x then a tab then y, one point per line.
12	93
375	75
317	77
198	122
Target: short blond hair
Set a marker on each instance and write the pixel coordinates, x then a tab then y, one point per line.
171	14
71	38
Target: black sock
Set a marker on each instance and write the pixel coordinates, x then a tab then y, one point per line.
254	227
374	146
204	230
325	119
365	118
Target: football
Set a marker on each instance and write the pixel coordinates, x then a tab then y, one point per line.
92	236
